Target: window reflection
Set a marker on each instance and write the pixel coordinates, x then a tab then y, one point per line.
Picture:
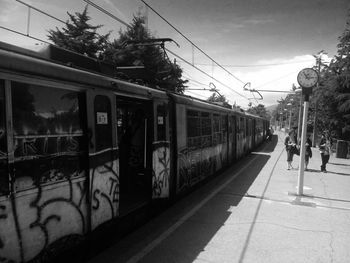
48	134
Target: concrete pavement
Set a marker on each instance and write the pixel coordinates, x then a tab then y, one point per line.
251	213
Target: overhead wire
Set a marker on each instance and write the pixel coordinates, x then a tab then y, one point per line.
203	72
25	35
284	76
126	24
261	65
40	11
178	31
106	12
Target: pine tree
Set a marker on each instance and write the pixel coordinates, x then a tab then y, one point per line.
133	48
79	36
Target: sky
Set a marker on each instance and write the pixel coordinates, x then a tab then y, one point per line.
259	44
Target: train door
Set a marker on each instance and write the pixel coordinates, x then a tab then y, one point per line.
103	161
134	128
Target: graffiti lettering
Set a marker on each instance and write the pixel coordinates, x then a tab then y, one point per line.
161	172
96	201
83	191
114	190
47	144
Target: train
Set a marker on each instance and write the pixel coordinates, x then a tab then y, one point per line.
80	148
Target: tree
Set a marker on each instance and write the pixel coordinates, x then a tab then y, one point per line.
219	99
333	93
135	47
259	110
79	36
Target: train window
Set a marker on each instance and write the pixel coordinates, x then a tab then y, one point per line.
48	134
206	129
217	136
193	129
4	178
199	129
241	126
224	128
193	124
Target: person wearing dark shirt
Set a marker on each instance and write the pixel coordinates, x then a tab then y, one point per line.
324	147
290	144
308	152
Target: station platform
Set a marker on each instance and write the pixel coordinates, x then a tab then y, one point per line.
251	213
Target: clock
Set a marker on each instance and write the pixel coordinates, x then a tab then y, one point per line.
307	78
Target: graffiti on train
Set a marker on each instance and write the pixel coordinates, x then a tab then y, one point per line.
105	192
38	221
161	170
56	158
196	164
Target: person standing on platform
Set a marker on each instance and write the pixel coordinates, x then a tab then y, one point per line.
290	144
324	147
308	152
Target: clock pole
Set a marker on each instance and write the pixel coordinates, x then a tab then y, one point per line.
307	79
302	147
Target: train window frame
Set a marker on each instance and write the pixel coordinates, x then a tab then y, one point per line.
80	154
193	129
217	129
5	152
224	128
203	136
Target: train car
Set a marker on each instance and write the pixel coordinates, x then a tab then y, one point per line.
201	145
80	149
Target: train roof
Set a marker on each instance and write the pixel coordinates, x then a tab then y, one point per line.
57	63
47	64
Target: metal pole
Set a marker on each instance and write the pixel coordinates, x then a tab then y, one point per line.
300	117
302	150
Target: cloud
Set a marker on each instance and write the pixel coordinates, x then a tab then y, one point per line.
241	23
278	74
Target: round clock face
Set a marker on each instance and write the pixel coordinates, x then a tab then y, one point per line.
307	78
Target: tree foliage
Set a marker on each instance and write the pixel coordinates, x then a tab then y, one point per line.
134	48
259	110
79	36
219	99
332	96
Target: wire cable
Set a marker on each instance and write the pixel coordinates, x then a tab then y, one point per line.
111	15
106	12
178	31
25	35
40	11
261	65
223	84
